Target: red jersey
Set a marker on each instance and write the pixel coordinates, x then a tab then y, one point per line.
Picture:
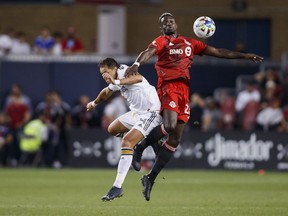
175	56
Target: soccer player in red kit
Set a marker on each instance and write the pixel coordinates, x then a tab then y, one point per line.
175	56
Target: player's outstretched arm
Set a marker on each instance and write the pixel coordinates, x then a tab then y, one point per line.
102	96
228	54
133	79
143	57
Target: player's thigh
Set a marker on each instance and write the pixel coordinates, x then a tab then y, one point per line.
147	122
170	119
125	122
117	127
175	137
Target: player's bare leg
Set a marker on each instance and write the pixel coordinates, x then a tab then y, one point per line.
166	151
128	142
116	128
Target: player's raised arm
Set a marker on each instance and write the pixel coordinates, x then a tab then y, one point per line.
143	57
133	79
225	53
102	96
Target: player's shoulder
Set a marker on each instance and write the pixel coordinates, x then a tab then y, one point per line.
123	67
159	41
193	41
160	38
188	38
121	71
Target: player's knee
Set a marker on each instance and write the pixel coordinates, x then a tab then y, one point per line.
126	143
111	130
173	144
170	127
174	140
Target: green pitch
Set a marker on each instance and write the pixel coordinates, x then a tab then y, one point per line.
177	192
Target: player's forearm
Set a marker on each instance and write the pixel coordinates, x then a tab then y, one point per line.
224	53
131	80
103	95
145	56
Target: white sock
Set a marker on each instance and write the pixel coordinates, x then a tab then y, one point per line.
123	168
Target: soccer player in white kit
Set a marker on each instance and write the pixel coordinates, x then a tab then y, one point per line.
135	124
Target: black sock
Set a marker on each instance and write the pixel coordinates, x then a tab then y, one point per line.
155	135
162	159
141	146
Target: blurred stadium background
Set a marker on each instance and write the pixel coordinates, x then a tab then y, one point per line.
217	138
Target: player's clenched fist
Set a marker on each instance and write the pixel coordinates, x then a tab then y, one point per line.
90	106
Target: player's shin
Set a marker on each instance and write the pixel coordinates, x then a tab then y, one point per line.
123	166
164	155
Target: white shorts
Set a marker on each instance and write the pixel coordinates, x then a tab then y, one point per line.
144	122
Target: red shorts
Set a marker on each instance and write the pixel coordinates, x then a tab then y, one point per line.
174	95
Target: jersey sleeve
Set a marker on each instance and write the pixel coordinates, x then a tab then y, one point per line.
158	43
198	46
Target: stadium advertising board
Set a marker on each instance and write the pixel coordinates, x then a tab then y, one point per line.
211	150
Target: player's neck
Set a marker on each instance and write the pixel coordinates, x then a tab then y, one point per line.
175	35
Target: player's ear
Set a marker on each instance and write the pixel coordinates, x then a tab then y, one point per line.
161	30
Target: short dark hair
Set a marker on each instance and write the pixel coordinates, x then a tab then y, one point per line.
109	62
165	14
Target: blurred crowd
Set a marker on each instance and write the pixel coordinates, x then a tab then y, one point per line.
36	135
259	102
47	43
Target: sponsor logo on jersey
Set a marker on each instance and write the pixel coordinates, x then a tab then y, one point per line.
187	51
172	104
175	51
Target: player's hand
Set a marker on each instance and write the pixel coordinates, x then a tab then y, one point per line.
255	58
132	70
108	78
90	106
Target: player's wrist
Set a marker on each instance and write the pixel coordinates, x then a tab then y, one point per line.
94	104
117	82
136	63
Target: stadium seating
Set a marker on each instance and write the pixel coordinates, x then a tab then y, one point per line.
249	115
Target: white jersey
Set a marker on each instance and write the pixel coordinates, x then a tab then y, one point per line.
141	96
